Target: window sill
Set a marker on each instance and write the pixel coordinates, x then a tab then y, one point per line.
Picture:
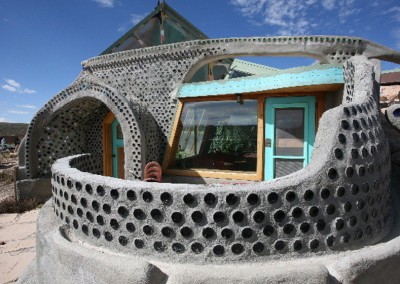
204	173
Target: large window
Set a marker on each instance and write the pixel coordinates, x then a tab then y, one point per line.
217	135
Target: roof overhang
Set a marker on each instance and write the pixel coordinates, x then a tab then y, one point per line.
316	77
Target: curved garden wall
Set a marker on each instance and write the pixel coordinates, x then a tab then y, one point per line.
339	201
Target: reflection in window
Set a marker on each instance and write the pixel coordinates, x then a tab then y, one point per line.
289	132
217	135
119	132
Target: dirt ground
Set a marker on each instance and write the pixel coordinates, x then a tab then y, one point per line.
17	244
8	161
17	231
6	190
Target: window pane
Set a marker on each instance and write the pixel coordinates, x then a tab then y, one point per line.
289	132
284	167
218	135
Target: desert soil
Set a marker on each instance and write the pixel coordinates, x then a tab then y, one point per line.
17	233
6	190
7	166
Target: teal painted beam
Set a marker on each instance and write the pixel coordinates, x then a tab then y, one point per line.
319	76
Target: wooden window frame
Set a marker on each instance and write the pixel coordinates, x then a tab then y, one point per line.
258	175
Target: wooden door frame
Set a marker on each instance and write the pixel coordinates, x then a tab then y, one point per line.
271	105
107	144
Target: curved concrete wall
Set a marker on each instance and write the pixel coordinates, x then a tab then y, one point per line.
339	201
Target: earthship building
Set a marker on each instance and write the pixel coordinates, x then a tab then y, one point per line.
267	174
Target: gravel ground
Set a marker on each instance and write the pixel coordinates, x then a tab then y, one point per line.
6	190
7	165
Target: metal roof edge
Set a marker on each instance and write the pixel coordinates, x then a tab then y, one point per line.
251	67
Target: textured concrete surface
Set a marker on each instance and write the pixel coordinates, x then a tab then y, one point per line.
61	258
393	115
17	244
33	188
340	201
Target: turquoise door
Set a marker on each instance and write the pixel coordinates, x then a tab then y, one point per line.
289	135
117	150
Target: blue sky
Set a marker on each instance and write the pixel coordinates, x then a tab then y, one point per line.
42	42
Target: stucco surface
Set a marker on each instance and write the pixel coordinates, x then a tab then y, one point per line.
59	258
338	202
331	212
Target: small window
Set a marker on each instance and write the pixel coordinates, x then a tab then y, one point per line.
217	135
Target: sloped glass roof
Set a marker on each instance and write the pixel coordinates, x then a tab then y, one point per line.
164	25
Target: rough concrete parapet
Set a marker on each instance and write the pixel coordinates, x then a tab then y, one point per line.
339	201
61	258
33	188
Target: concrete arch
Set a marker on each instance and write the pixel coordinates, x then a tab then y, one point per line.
45	129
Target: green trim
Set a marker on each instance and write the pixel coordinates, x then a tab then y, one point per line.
308	103
116	143
328	74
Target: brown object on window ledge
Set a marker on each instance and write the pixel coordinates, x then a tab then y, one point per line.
152	172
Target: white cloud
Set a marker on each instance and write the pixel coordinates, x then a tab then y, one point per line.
329	4
18	111
9	88
15	87
396	35
288	15
394	12
249	7
27	106
28	91
13	83
136	18
293	17
2	119
105	3
346	13
393	9
121	29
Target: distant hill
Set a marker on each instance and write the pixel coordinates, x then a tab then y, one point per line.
13	129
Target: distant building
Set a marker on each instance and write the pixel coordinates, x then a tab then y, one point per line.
390	87
10	139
